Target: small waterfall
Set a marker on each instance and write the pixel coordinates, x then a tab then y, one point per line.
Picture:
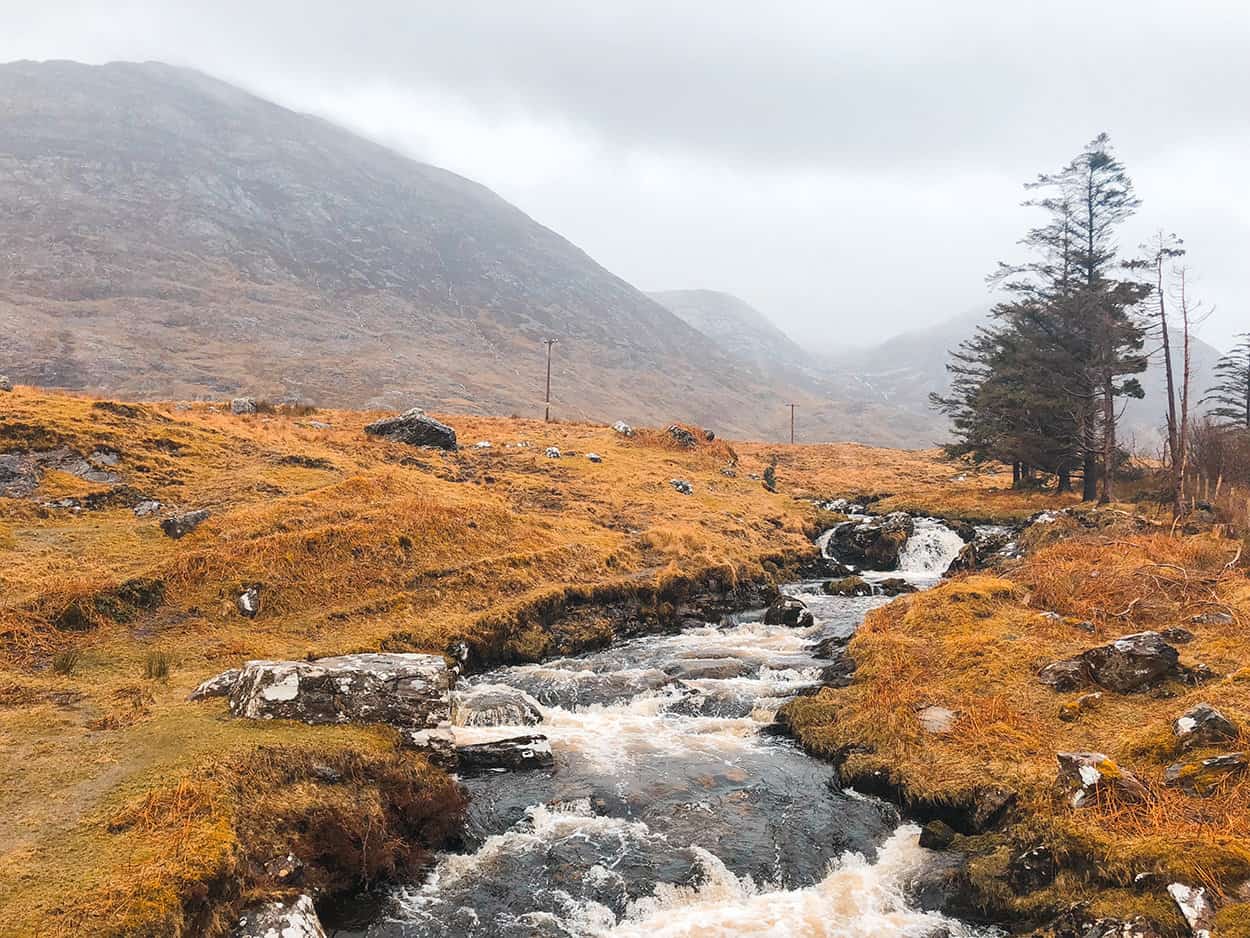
930	549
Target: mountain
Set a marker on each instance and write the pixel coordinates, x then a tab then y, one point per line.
902	371
169	235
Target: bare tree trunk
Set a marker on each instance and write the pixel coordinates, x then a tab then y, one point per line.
1182	450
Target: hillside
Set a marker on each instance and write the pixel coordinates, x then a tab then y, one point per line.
169	235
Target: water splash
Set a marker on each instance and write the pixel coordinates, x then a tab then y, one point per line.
930	549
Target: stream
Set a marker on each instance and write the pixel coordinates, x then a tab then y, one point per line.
668	812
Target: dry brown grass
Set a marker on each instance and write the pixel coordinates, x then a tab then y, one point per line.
357	544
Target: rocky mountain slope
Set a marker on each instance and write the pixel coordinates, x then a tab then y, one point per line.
169	235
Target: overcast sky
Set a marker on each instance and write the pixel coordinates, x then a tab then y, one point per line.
853	170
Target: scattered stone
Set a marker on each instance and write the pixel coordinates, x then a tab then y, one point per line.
936	835
1131	662
317	425
519	754
594	457
830	646
219	686
848	586
874	544
787	610
415	428
1198	674
1197	909
681	485
325	773
709	436
1201	779
895	586
403	690
280	919
1178	636
1072	711
1083	776
147	508
1213	618
5	384
936	720
1077	922
552	452
482	444
1032	870
494	705
729	472
1203	725
285	868
243	405
682	437
177	526
248	602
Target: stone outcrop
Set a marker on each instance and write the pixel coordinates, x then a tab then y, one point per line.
1084	777
1195	907
1202	725
180	525
403	690
1201	778
518	754
416	428
788	610
494	705
243	405
219	686
873	544
296	918
1130	663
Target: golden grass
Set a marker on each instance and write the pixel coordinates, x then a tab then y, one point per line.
357	544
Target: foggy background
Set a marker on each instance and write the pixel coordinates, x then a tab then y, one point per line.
852	172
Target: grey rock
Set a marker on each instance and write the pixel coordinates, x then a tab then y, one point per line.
1085	776
1213	618
682	486
1177	635
623	428
177	526
436	745
1132	661
1203	725
147	508
1032	870
716	669
1202	778
1196	907
402	690
848	586
219	686
787	610
243	405
415	428
682	437
296	918
248	602
494	705
936	835
895	586
5	384
594	457
552	452
873	544
1067	675
518	754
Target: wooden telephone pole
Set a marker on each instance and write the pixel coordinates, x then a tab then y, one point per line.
547	398
792	406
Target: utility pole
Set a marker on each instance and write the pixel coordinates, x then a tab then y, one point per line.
547	399
792	406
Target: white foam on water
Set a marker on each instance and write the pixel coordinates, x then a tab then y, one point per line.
929	551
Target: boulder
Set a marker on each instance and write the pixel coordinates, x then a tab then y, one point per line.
787	610
848	586
681	485
296	918
437	746
494	705
1196	907
1131	662
403	690
482	444
1084	777
966	559
415	428
1202	778
594	457
936	835
147	508
552	452
243	405
895	586
1031	870
840	673
874	544
180	525
5	384
248	602
1202	725
518	754
830	646
623	428
682	437
709	669
219	686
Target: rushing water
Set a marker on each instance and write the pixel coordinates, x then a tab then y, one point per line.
668	812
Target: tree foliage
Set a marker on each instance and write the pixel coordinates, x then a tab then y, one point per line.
1231	393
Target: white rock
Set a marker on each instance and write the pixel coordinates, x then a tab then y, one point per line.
1195	906
937	720
482	444
553	452
623	428
594	457
297	919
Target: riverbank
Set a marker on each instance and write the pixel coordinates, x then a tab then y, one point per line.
138	813
947	716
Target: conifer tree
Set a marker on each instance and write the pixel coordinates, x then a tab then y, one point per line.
1231	393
